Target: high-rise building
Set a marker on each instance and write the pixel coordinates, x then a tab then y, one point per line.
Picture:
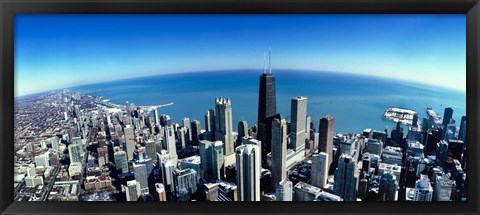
374	146
388	187
423	189
182	135
155	117
210	124
325	136
447	116
132	190
169	143
346	178
166	175
248	165
242	131
279	151
75	153
298	122
415	120
151	149
102	156
162	196
223	124
185	183
283	191
121	162
443	188
141	176
211	160
129	141
305	192
186	125
319	171
196	128
267	107
463	129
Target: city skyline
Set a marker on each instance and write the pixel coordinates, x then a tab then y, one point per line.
51	54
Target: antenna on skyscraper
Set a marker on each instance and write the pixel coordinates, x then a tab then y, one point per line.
264	63
270	60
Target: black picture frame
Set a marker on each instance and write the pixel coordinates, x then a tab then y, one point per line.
8	8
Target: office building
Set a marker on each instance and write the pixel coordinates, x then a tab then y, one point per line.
423	189
305	192
185	183
325	136
170	144
75	153
279	151
298	123
319	170
374	146
121	162
129	141
447	117
211	160
388	187
223	124
162	196
151	149
267	108
188	130
283	192
248	165
210	124
141	176
196	129
443	188
242	131
132	190
346	178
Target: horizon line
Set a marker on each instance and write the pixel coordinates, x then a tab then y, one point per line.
243	69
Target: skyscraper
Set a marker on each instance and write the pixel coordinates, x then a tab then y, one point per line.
185	183
196	129
162	196
151	150
129	141
169	143
210	123
279	151
211	160
319	171
346	178
223	124
242	131
166	175
463	129
248	165
325	136
388	187
121	162
132	190
423	189
75	153
141	176
266	107
186	125
447	116
298	123
283	191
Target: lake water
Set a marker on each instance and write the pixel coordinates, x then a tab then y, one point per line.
357	102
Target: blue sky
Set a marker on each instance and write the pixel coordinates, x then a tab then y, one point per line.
58	51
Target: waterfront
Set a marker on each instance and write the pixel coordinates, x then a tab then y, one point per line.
357	102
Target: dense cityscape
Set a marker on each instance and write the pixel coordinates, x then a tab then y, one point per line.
72	146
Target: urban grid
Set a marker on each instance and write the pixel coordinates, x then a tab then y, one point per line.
71	146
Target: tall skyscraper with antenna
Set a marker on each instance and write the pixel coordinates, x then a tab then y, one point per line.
266	107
